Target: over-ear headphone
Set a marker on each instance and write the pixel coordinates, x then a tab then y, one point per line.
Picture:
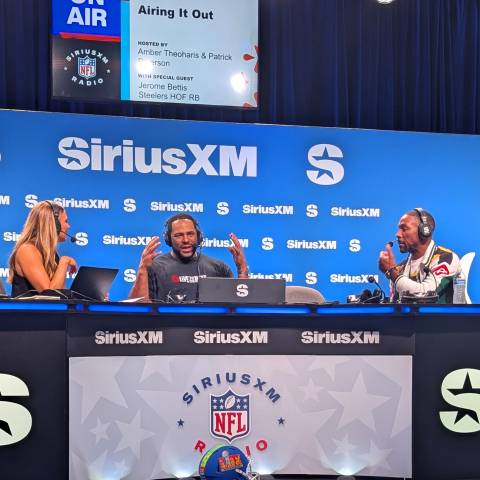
424	228
56	215
167	231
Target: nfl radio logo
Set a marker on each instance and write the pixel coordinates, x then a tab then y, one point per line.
87	67
229	415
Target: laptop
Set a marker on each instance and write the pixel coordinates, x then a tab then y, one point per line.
241	290
92	283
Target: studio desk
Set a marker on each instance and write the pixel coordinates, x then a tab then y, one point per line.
141	391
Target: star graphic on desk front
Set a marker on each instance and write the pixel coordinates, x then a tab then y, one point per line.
95	388
281	421
310	390
180	423
100	431
132	435
466	388
358	404
343	446
4	426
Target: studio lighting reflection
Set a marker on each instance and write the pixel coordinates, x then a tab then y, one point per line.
144	66
239	82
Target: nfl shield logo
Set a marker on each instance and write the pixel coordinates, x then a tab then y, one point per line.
229	415
87	67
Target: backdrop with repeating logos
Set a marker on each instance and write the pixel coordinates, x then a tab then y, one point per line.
311	205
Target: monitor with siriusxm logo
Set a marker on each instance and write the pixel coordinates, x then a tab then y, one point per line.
241	290
161	51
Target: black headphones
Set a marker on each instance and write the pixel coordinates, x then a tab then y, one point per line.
56	215
424	228
167	230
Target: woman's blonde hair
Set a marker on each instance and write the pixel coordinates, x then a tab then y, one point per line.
40	229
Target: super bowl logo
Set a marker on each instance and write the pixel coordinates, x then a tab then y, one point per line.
87	67
229	415
229	461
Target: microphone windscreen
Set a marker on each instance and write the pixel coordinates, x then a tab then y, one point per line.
371	278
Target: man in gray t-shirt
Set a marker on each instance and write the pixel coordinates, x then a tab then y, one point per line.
173	277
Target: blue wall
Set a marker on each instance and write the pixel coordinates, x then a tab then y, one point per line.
53	156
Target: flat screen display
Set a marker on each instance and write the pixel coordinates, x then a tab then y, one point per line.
200	52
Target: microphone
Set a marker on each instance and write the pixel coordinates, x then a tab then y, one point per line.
73	238
428	271
371	279
391	242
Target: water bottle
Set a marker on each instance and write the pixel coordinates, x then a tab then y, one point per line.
459	288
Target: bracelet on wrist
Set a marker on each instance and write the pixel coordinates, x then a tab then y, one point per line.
388	273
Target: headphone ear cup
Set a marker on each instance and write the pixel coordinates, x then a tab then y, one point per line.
199	236
377	293
166	235
58	226
56	216
426	232
365	295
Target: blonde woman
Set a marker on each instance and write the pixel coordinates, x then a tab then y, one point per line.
34	263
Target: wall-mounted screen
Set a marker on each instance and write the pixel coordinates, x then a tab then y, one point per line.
170	51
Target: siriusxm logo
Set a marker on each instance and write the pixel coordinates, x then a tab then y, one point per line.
311	278
129	275
242	336
354	212
267	209
10	236
354	245
361	337
92	203
211	160
327	171
288	277
176	207
461	390
4	199
346	278
129	205
82	239
121	240
311	210
223	243
268	243
147	337
231	379
223	208
312	245
15	419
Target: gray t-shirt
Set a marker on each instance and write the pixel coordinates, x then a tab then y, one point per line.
171	280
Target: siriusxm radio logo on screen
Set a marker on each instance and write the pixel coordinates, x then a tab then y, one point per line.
212	160
328	171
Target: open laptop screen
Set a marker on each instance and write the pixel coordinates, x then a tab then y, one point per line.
93	283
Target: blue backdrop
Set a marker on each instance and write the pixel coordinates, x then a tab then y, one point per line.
313	205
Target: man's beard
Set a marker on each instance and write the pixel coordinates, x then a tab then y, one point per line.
181	257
